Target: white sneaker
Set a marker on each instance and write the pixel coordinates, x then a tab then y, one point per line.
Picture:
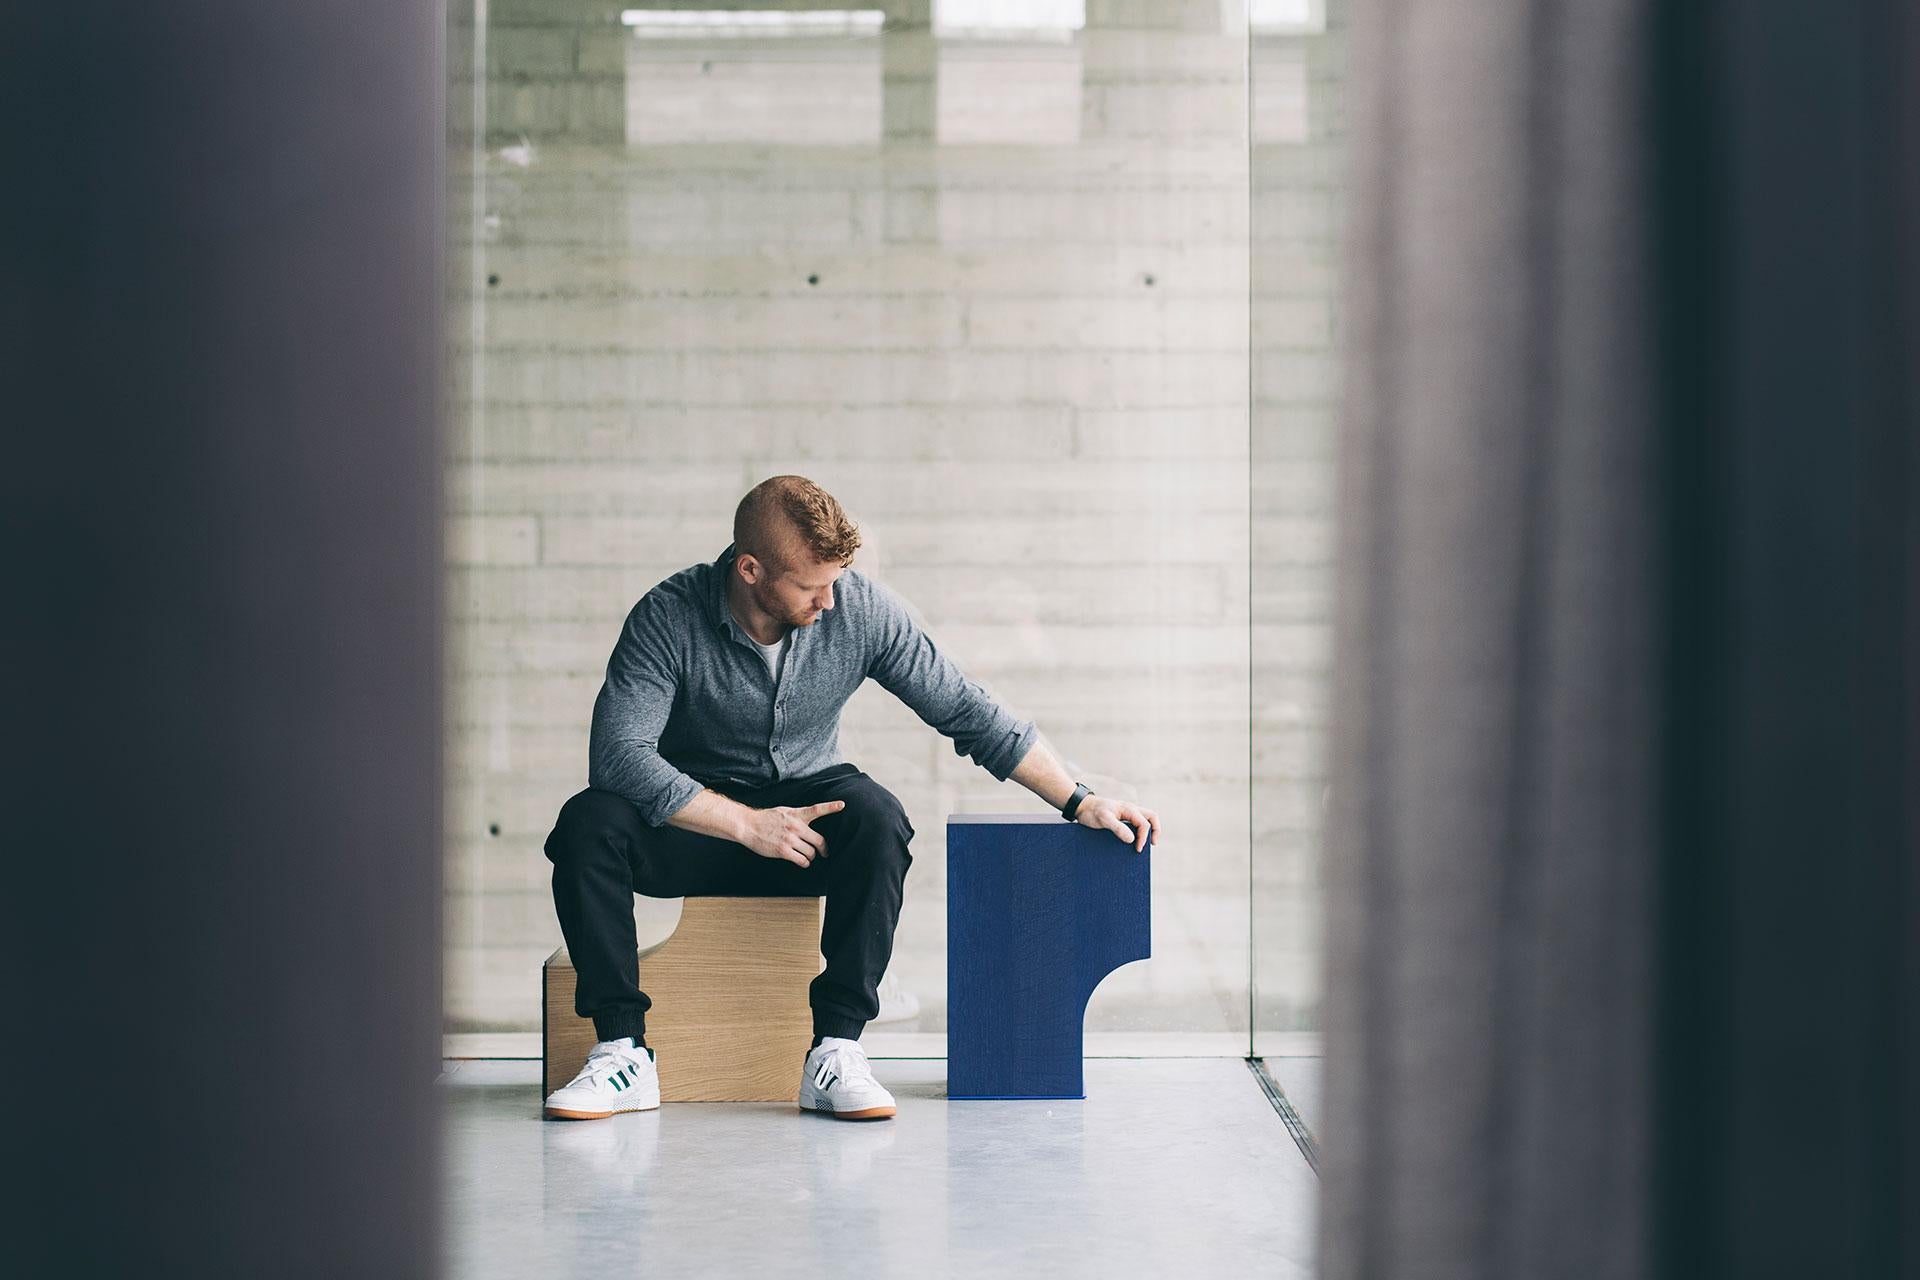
617	1077
838	1081
897	1004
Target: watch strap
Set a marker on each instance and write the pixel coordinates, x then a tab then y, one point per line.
1080	792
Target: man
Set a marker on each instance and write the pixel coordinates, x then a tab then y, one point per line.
714	768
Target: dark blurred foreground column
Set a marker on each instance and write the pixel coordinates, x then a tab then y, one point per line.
220	373
1625	920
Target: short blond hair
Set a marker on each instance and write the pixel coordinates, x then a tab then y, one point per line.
784	505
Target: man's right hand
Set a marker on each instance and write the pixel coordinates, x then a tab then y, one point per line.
785	832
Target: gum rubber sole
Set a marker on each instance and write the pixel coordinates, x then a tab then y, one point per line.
561	1113
870	1113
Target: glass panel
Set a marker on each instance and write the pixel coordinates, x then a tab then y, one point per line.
1298	68
980	269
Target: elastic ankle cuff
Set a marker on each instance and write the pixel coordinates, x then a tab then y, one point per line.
620	1024
836	1025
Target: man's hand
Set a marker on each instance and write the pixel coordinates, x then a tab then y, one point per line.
1127	820
784	832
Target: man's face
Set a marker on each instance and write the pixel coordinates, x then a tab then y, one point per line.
800	592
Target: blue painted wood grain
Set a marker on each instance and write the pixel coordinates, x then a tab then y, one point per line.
1039	910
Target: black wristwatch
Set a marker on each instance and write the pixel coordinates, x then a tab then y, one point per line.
1080	792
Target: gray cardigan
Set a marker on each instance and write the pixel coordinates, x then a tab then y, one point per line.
688	701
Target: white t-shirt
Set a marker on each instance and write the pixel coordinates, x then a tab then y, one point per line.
775	653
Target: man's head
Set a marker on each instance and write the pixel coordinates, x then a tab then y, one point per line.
790	542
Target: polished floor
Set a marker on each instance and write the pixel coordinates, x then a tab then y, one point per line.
1168	1167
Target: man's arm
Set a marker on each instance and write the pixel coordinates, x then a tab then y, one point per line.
630	713
1042	773
782	832
712	814
909	666
906	664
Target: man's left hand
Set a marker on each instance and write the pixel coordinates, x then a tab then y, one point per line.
1127	820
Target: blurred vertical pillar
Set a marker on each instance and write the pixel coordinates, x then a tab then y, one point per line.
221	374
1789	1048
1494	800
1622	906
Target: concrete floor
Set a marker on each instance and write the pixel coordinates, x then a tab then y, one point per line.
1169	1167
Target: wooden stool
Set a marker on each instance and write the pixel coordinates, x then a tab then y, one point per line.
730	1020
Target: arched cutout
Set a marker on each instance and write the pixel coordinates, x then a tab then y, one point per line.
1039	912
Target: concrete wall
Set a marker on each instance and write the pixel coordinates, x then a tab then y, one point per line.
1023	365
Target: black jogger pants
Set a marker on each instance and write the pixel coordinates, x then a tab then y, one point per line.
603	853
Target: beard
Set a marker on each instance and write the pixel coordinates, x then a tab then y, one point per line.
773	607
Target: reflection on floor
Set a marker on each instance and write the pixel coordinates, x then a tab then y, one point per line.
1170	1166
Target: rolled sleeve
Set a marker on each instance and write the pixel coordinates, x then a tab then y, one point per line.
908	665
629	715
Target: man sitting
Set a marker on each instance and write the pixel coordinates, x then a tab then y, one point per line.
715	769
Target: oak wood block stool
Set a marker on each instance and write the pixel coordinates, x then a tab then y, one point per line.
730	1020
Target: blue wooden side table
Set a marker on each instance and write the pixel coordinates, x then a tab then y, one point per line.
1039	910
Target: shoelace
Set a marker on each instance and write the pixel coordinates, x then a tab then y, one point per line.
603	1062
848	1062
